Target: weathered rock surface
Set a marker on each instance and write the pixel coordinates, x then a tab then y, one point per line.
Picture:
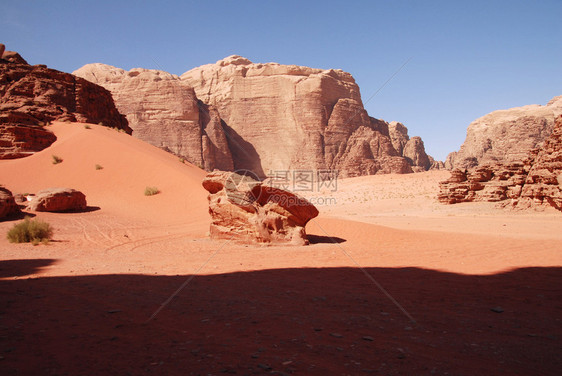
544	180
58	200
19	140
164	111
412	149
505	136
259	117
537	180
31	96
8	204
248	210
288	117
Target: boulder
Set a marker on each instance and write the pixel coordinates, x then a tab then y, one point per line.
8	204
247	210
58	200
506	136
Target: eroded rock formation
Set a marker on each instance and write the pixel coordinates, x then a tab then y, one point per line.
505	136
21	140
283	117
58	200
31	96
8	204
164	111
537	180
261	117
247	210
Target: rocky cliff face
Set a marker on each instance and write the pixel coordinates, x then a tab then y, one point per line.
288	117
164	111
544	180
534	181
261	117
31	96
505	136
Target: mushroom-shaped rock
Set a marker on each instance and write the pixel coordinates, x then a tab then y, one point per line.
58	200
248	210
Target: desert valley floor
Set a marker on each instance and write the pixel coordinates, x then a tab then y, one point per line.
393	282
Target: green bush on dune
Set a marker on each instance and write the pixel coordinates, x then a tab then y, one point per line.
151	191
30	231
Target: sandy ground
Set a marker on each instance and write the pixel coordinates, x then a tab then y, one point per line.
393	282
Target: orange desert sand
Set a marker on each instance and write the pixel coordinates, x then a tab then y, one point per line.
392	283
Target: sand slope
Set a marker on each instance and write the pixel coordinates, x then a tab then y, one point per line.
129	165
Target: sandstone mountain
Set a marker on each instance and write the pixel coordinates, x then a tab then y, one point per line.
262	117
31	96
506	136
535	180
164	111
296	117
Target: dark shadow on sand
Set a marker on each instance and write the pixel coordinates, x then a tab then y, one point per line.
17	216
318	239
20	268
309	321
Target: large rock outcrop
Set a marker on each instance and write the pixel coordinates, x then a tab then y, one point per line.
31	96
543	184
288	117
164	111
505	136
261	117
247	210
534	181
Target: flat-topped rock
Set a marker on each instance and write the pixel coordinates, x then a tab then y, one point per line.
506	136
58	200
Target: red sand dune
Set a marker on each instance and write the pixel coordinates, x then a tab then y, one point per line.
483	285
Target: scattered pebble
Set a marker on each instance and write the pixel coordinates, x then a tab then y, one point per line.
497	309
337	335
368	338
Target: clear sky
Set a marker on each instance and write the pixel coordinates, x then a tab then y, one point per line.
467	58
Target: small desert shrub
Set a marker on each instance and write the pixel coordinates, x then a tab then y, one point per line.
151	191
182	159
30	231
56	159
99	167
101	123
87	127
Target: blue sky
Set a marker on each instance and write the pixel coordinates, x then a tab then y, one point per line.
467	58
